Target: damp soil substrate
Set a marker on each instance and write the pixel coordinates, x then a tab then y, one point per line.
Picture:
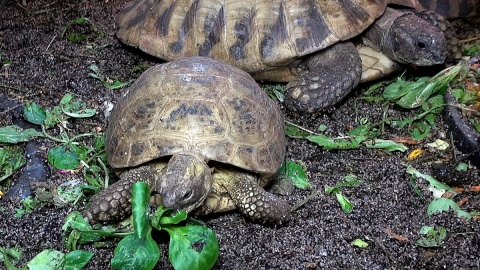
45	65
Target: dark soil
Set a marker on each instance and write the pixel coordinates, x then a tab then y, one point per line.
45	66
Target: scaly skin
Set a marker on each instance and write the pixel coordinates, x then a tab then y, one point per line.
324	79
184	184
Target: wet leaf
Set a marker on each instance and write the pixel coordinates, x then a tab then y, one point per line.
11	159
136	253
433	182
75	107
48	259
294	172
444	204
175	219
359	243
34	113
461	167
138	250
63	159
15	134
329	143
345	204
77	259
387	145
192	247
432	238
295	132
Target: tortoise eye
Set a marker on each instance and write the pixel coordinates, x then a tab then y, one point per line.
187	195
421	45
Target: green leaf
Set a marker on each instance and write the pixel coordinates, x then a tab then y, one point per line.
359	243
34	113
415	187
136	253
77	259
433	238
330	190
175	219
425	229
341	144
444	204
11	159
192	247
387	145
74	107
400	88
78	231
347	207
15	134
416	96
420	131
433	182
10	256
63	159
351	180
114	85
296	173
67	193
140	199
48	259
295	132
462	167
54	116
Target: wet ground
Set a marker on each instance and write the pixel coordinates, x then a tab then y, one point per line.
387	213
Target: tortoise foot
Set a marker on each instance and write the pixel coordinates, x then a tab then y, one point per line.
324	79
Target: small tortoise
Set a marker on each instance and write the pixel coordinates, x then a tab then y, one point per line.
203	135
303	42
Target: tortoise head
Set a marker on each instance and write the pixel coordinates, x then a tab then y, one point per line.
185	182
415	41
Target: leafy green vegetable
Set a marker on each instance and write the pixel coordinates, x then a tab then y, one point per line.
192	247
345	204
74	107
296	173
62	158
11	159
15	134
295	132
387	145
34	113
359	243
432	238
107	83
433	182
48	259
444	204
77	259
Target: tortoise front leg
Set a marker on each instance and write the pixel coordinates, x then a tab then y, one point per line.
324	79
254	201
114	203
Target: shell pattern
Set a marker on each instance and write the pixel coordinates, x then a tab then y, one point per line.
200	106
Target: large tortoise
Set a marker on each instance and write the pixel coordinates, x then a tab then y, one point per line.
301	42
203	135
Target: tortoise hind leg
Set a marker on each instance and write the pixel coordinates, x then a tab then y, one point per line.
325	78
253	200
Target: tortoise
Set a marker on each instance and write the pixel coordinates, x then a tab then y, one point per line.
305	43
203	135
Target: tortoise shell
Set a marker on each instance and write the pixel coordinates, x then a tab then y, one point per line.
201	106
252	35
